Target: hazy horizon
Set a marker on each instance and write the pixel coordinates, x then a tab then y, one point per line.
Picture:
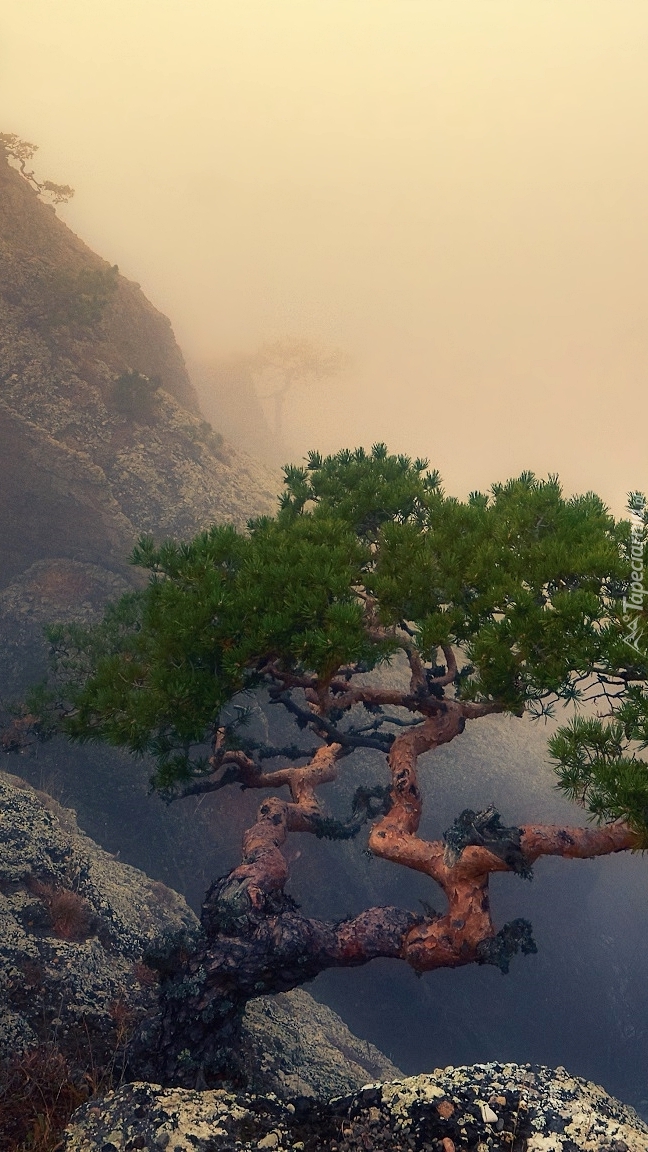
453	192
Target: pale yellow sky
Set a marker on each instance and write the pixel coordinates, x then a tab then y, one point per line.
455	191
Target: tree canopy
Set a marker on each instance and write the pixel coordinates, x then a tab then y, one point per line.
519	592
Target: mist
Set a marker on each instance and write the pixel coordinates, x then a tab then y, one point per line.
453	192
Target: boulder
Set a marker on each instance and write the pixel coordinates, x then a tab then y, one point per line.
297	1047
484	1108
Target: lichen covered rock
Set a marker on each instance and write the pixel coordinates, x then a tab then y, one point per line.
484	1108
74	926
298	1047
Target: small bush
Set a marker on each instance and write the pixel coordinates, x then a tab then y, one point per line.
38	1094
57	298
214	440
70	915
135	396
205	435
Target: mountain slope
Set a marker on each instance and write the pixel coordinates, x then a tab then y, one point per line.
100	423
34	244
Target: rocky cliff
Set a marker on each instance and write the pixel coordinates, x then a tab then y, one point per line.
101	437
92	450
41	261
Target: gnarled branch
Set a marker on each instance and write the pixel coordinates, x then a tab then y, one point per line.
465	934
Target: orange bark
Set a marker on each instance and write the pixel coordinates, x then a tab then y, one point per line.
450	940
264	868
454	939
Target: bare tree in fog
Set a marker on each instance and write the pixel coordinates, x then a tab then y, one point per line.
280	366
20	151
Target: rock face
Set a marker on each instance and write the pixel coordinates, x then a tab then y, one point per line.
74	926
40	255
297	1047
494	1107
101	437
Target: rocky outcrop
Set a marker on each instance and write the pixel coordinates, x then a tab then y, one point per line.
77	471
76	926
39	254
483	1108
100	433
297	1047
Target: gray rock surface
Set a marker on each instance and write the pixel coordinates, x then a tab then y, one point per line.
483	1108
297	1047
74	925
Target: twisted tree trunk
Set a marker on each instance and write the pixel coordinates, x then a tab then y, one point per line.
256	941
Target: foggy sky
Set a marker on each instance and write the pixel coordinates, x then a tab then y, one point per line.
454	191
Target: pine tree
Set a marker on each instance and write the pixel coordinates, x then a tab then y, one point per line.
512	601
